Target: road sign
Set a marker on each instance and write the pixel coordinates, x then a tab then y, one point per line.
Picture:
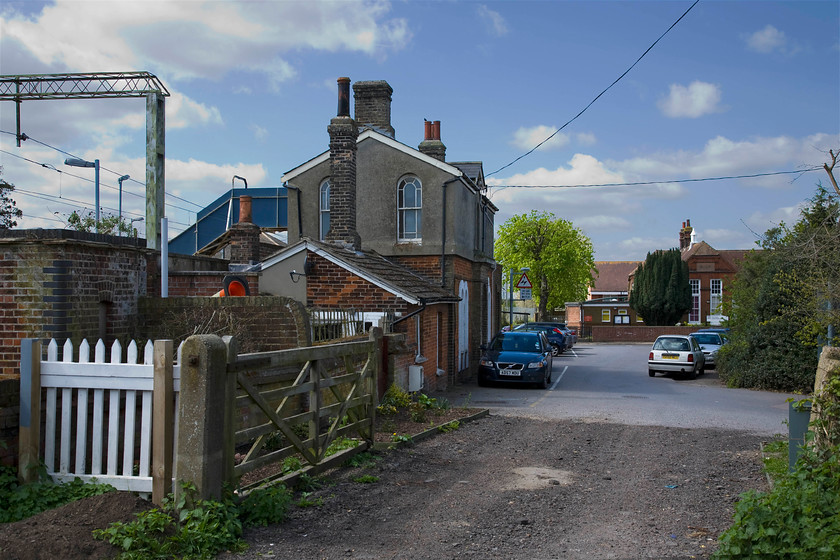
524	293
524	282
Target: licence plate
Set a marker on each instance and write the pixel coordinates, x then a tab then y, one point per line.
515	372
670	356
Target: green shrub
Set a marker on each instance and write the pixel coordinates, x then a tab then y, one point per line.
265	506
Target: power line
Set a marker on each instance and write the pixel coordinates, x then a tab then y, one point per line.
582	111
638	183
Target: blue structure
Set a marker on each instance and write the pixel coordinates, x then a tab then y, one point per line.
269	207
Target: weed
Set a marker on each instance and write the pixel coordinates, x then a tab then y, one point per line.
307	483
366	479
362	460
449	426
305	501
265	506
397	438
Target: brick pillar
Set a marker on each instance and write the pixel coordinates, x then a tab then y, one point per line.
244	236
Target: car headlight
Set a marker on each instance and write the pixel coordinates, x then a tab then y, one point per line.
535	365
487	363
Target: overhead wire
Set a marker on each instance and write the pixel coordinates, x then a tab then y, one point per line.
582	111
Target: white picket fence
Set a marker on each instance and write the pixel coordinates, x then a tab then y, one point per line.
99	415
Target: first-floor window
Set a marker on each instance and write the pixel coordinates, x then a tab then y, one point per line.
605	315
409	209
694	314
325	209
715	296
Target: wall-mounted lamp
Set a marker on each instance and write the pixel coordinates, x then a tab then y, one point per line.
295	275
307	270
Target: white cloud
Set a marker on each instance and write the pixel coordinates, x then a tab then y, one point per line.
182	112
527	138
260	133
767	40
696	100
200	39
494	20
586	139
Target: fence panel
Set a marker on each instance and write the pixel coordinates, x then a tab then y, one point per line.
99	412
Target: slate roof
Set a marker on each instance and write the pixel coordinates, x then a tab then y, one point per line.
375	268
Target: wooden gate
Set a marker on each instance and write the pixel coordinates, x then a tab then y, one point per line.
301	401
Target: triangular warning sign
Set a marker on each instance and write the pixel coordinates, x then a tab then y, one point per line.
524	282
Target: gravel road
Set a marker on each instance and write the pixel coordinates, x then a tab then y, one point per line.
524	488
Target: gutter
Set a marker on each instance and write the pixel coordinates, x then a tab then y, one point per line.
410	315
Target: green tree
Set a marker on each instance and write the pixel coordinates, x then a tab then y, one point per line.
8	210
560	257
108	224
661	293
785	297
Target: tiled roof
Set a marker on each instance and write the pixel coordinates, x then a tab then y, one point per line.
612	275
378	270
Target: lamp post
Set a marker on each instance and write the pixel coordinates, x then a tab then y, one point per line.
120	180
510	293
76	162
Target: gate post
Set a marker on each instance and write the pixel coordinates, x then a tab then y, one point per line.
202	417
29	436
163	436
229	435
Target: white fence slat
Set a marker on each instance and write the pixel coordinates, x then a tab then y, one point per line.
116	352
98	420
149	353
113	430
131	355
52	351
67	353
66	418
128	439
145	434
84	352
49	432
99	352
81	429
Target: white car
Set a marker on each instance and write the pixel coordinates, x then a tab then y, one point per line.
676	353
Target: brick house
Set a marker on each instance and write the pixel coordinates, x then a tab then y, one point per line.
382	199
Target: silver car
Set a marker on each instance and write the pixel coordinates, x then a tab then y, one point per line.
710	343
676	353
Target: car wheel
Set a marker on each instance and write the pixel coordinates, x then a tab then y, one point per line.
555	350
544	383
482	381
651	373
693	373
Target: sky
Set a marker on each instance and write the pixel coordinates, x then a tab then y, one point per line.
733	89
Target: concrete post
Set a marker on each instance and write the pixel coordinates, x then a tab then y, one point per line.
29	439
201	448
155	159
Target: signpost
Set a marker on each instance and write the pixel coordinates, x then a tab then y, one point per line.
524	286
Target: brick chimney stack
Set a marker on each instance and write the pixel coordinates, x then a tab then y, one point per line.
431	144
686	236
244	236
343	134
373	105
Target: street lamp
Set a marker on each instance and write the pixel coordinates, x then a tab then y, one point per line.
121	179
76	162
510	293
131	224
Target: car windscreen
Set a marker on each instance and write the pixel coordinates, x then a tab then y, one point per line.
513	343
672	344
706	338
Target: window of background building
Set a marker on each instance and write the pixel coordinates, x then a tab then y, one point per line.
325	209
694	314
409	209
715	296
605	315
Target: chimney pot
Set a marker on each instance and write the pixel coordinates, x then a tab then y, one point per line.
428	130
343	97
436	130
245	209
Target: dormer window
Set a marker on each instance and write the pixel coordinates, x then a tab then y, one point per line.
324	207
409	209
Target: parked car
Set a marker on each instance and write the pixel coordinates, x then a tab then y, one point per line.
710	342
516	356
676	353
554	335
571	336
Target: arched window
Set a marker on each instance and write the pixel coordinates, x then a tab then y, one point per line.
409	209
324	207
463	326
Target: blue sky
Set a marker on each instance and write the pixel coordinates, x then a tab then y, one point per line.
735	88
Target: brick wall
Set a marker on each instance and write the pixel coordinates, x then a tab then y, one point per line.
261	324
427	266
65	284
627	333
331	286
192	284
9	417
